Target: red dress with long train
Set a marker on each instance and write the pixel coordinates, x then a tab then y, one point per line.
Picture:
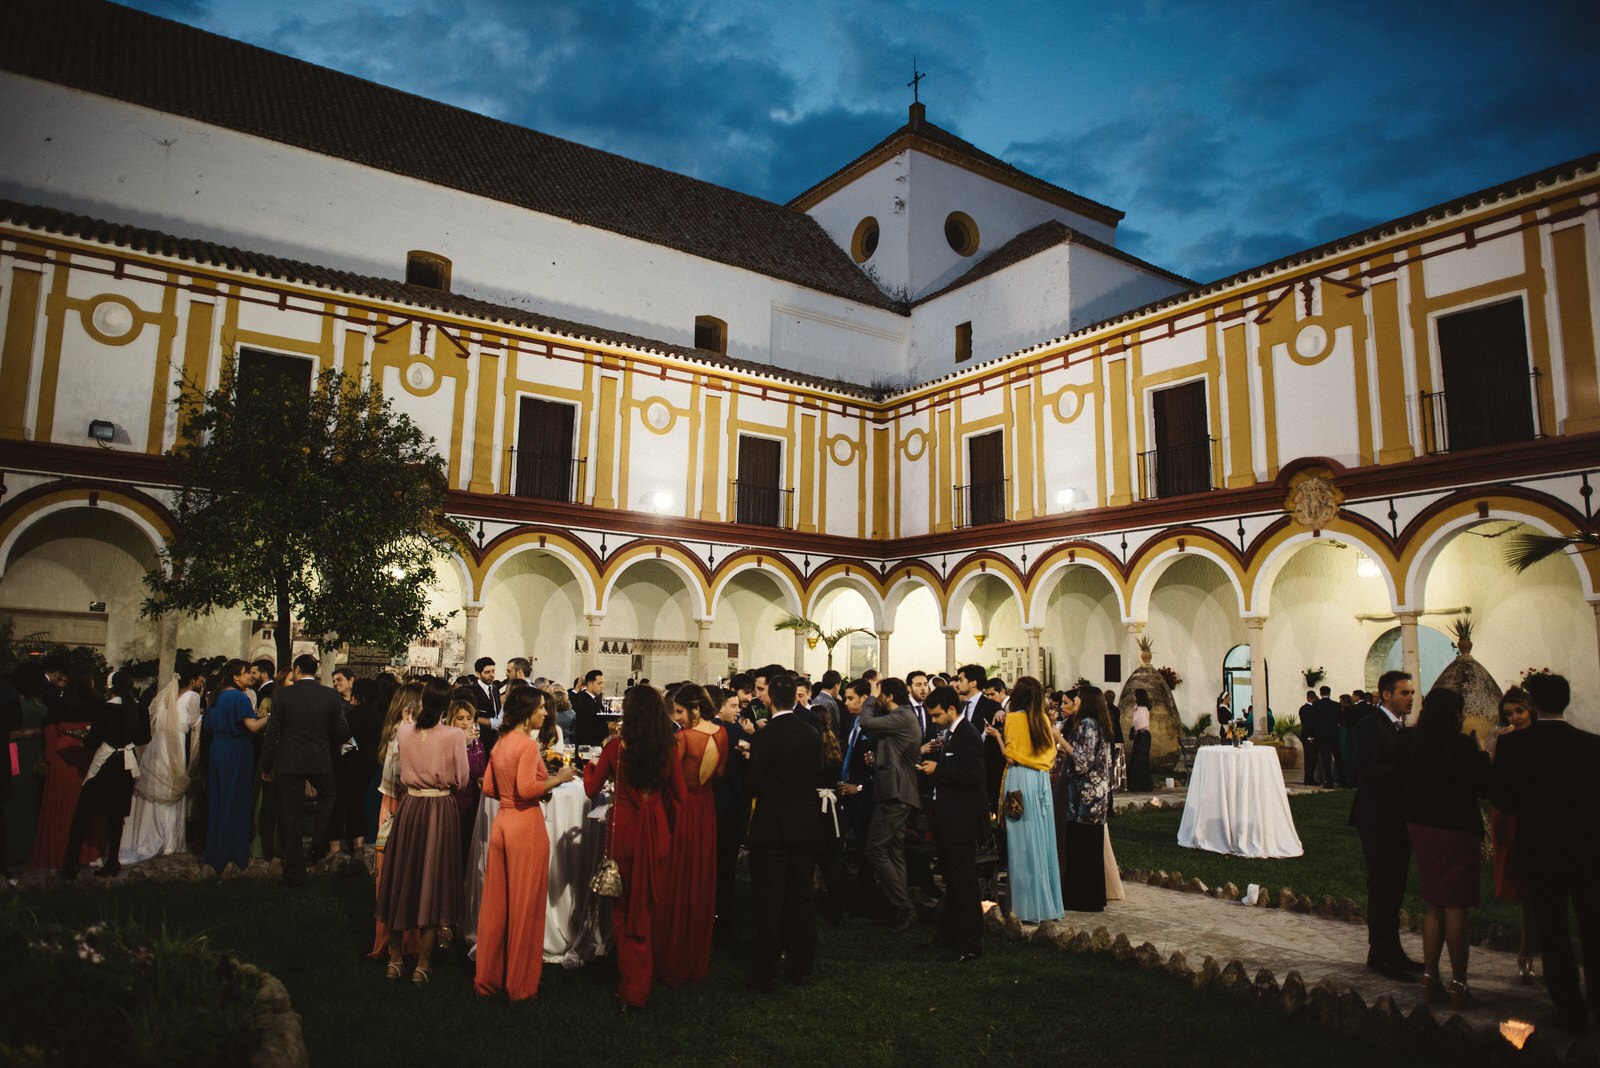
516	881
683	941
68	760
641	844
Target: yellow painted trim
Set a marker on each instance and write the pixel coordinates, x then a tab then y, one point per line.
1116	389
16	358
688	567
480	570
156	426
1235	358
881	454
1260	551
1392	396
1023	505
1468	508
55	314
810	460
1569	251
606	440
944	473
24	514
711	466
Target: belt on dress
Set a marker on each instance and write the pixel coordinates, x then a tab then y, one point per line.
830	806
422	791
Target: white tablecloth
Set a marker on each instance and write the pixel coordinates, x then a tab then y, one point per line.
576	843
1237	804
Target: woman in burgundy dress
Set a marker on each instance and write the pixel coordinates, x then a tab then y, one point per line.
649	778
65	726
683	942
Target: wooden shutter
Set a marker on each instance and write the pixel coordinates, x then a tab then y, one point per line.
986	478
758	494
1484	356
1183	439
544	458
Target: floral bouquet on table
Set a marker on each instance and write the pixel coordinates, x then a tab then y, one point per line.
1234	733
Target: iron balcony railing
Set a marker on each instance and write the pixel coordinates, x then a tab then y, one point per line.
546	477
763	506
980	503
1177	469
1491	422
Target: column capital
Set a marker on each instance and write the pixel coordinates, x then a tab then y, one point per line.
883	635
1407	618
1255	622
1033	630
703	624
473	611
1135	626
594	618
949	632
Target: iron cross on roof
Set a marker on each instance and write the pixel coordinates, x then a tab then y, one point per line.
916	76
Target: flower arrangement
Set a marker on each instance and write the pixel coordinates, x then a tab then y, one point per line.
1170	677
1313	675
1531	672
1234	733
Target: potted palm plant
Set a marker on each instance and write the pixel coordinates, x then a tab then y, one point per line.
1282	728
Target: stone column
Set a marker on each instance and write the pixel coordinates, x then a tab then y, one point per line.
799	652
594	619
470	649
883	651
702	653
950	652
1256	625
1033	633
1410	652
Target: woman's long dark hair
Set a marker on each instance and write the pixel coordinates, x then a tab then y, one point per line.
1440	716
694	698
520	707
435	699
1092	705
1027	697
647	737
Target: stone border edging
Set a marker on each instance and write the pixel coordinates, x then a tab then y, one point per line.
280	1042
1342	1010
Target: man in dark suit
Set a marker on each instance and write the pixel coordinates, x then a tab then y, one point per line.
855	787
960	819
588	706
785	771
486	695
980	711
306	718
1325	729
1308	737
1377	816
1544	775
264	794
897	748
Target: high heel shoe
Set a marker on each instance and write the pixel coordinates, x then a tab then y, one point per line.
1460	996
1525	969
421	976
1432	990
392	972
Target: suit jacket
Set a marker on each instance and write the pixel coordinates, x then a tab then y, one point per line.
897	752
783	775
307	718
1545	775
983	714
856	770
1325	720
960	782
1378	800
590	728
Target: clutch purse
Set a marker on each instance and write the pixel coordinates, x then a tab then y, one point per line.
1011	805
607	879
383	834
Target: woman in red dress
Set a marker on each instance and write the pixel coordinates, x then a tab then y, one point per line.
516	892
65	726
683	941
1516	713
649	778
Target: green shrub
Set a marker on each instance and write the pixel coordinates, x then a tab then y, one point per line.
114	993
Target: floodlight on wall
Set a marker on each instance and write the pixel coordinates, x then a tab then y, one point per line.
1365	567
1070	498
97	606
659	501
102	430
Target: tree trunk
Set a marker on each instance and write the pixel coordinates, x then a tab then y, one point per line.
282	631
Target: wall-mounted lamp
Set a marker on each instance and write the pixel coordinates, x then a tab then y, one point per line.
656	501
102	430
979	638
1365	568
97	606
1071	498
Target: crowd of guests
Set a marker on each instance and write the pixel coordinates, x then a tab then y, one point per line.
874	785
1418	790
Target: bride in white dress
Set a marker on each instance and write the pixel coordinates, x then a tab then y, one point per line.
156	822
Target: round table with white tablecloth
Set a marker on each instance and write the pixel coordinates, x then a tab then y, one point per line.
1237	804
571	936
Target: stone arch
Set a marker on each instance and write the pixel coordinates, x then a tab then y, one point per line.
1156	557
1062	557
568	552
144	513
968	575
907	578
1433	531
1279	546
776	568
836	578
670	555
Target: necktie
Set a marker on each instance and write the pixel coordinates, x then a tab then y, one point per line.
922	719
850	747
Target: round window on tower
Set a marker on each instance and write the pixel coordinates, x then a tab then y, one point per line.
962	233
865	241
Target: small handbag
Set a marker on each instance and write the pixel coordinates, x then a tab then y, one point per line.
1010	801
607	878
383	833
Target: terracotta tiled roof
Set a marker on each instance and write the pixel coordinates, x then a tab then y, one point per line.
1046	235
920	133
205	254
128	55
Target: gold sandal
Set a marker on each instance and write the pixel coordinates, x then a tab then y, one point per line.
392	971
421	976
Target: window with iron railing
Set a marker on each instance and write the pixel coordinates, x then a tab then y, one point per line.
979	503
763	506
542	461
1176	469
1489	395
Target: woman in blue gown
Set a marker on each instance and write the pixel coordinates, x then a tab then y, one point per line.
231	720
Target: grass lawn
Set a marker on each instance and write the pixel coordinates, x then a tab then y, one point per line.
877	999
1331	865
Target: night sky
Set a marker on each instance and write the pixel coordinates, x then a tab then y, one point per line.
1230	133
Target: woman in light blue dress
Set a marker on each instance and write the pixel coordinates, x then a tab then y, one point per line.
1030	748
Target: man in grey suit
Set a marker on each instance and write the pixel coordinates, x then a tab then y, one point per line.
894	788
307	719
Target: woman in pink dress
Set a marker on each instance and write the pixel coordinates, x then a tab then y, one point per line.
683	943
403	709
516	880
649	778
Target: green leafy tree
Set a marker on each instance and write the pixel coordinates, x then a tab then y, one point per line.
327	508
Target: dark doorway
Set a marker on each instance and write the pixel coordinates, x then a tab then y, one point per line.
758	491
1483	353
545	467
986	478
1181	461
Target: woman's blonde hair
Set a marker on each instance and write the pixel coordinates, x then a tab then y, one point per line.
405	705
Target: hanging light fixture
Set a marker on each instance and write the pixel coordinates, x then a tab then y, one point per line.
1365	567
